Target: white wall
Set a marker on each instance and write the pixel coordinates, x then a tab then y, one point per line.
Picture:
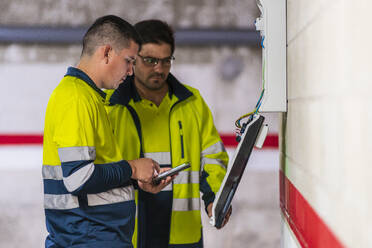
30	73
328	128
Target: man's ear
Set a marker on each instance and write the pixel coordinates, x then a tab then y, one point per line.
107	53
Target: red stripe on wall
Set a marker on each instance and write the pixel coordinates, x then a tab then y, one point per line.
37	139
309	228
21	139
271	141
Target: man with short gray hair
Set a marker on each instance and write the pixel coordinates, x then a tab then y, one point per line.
88	191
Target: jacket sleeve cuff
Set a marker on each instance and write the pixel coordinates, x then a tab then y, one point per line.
126	169
135	184
208	198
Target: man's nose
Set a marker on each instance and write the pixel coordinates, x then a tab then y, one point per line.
159	68
130	70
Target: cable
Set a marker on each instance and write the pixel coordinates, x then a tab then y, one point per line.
259	102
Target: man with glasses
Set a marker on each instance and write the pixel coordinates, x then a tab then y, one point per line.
88	191
155	116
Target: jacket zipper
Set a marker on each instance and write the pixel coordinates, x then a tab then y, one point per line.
170	142
181	135
170	133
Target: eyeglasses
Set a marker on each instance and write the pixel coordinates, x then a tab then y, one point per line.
150	61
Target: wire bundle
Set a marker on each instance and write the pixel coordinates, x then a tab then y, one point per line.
258	105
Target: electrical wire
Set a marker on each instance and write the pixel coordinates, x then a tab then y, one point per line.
259	102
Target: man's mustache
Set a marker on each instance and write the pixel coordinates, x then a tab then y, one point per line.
161	75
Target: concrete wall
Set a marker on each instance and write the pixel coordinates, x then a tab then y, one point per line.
180	13
30	72
326	134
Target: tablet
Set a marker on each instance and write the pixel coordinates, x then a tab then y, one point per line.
171	172
235	170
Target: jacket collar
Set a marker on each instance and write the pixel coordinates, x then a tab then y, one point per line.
127	91
75	72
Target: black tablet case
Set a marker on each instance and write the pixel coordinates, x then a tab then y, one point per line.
235	170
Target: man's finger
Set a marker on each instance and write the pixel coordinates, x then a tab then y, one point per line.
145	180
227	217
167	180
156	166
229	212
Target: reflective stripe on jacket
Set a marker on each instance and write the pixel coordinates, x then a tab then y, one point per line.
193	138
88	196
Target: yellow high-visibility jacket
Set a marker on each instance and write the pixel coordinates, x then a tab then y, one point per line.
193	138
88	193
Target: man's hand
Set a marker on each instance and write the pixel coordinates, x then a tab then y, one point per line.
156	188
144	169
227	217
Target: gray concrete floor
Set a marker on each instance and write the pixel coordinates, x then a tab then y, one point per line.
255	221
22	214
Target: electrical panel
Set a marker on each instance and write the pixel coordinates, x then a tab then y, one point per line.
272	25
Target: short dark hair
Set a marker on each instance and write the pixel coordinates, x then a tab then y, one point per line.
155	31
111	30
